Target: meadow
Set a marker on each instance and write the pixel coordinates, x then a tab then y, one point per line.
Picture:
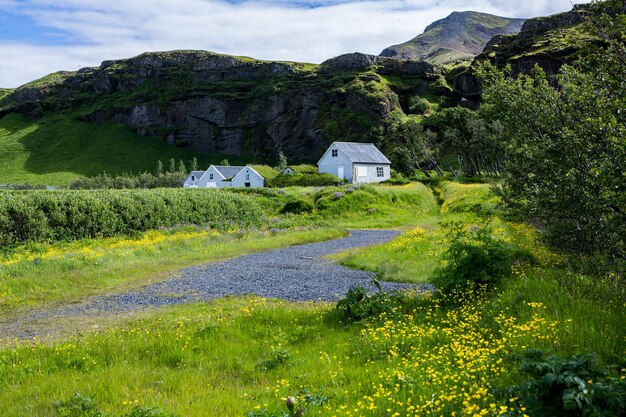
401	355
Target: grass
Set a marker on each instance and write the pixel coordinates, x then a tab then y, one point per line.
57	149
42	273
245	355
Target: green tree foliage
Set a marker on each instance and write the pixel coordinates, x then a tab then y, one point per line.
476	140
412	148
567	146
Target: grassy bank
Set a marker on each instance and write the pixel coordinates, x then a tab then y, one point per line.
66	272
55	150
414	355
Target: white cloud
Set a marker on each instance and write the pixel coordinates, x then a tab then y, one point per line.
277	29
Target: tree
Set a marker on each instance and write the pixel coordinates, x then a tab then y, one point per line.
413	148
567	147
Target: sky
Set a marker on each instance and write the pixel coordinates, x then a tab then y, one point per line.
38	37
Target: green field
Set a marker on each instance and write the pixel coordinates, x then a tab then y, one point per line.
57	149
415	355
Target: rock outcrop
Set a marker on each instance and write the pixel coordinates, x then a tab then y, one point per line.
229	105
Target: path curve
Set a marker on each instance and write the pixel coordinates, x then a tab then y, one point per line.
295	273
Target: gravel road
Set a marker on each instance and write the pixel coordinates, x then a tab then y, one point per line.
296	273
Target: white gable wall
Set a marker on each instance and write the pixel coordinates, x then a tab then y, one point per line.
192	181
248	177
217	180
336	164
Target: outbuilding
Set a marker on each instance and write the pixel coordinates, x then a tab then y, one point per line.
219	176
193	179
358	163
248	178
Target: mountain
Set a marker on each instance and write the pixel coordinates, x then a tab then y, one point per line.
214	103
462	35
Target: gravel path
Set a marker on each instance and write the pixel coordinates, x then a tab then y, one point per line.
296	273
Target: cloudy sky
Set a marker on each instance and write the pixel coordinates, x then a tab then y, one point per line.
42	36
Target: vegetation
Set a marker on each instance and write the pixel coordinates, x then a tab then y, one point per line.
41	216
58	149
566	149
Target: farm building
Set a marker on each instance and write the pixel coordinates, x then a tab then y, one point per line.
248	177
287	171
357	163
193	179
220	176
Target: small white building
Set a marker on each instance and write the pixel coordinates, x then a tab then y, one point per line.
358	163
287	171
193	179
220	176
248	178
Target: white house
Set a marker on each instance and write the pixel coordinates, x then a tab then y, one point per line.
193	179
287	171
357	163
248	177
220	176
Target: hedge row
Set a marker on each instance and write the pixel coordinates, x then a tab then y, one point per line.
38	216
303	180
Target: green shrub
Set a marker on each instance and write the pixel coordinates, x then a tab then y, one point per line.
303	180
297	206
37	216
576	386
474	258
357	305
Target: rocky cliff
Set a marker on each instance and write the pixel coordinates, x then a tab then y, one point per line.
231	105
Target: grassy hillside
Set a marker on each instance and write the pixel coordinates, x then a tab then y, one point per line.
54	150
462	35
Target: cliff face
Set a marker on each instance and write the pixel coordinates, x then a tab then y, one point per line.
224	104
462	35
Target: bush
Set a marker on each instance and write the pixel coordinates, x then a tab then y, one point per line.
357	305
474	258
297	206
303	180
573	387
38	216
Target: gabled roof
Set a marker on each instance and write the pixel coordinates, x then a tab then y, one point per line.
227	171
364	153
198	174
251	169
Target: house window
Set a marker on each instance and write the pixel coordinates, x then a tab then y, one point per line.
211	176
334	152
247	176
380	172
193	178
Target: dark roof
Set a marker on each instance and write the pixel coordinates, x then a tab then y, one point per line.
198	174
228	171
362	152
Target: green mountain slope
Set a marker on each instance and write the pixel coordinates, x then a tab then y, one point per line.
56	149
125	115
462	35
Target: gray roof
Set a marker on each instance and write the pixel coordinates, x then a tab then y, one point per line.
362	153
198	174
228	171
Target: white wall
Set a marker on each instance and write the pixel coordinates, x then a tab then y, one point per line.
191	183
216	182
330	164
367	173
248	176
